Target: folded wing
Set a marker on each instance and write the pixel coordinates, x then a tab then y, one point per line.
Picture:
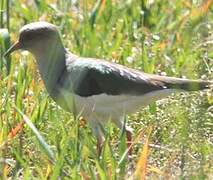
92	77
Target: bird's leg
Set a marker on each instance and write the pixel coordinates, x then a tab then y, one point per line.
99	145
96	128
129	141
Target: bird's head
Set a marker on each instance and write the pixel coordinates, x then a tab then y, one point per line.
36	37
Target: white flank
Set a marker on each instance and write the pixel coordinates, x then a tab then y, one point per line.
98	109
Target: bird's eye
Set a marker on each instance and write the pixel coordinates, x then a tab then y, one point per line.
28	37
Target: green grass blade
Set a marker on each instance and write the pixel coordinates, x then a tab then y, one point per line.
41	140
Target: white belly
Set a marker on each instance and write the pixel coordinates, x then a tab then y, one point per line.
109	106
99	109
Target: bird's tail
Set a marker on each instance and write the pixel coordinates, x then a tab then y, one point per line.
184	84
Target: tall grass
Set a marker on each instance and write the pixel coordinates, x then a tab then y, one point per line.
161	36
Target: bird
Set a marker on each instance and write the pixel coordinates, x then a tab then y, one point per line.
98	90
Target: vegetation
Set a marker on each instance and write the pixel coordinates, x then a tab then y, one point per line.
173	138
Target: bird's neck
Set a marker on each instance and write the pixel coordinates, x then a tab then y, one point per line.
51	64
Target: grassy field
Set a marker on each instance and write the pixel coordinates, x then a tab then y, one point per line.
173	138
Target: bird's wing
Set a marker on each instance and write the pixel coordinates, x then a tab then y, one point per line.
88	77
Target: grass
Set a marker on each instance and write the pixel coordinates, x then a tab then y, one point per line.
172	138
